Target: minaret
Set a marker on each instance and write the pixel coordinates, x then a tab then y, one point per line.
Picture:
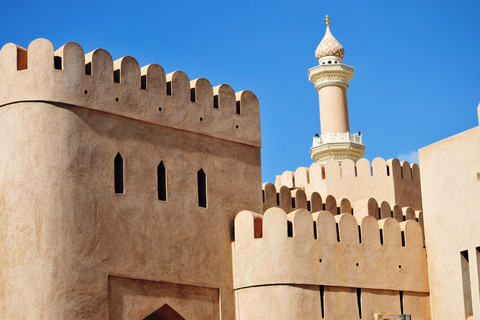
331	79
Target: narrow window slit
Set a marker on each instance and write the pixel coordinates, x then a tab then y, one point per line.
116	76
192	95
290	229
144	82
57	61
359	302
338	233
278	199
403	238
381	236
162	182
202	188
309	206
401	302
388	171
322	300
118	173
315	229
359	234
88	69
215	102
238	107
263	195
169	88
293	203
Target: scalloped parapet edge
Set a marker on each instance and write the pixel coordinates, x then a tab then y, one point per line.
121	87
323	249
393	181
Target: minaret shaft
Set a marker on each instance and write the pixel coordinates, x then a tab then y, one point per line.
333	109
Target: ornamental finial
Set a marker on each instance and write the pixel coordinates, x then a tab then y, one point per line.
327	20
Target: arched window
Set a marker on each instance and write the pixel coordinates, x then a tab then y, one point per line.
162	182
118	167
202	188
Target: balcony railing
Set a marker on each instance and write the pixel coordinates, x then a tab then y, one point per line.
337	137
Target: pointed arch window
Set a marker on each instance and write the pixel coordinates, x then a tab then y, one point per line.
162	182
118	174
202	188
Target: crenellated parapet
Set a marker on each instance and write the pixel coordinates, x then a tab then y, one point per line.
392	181
94	81
325	249
293	199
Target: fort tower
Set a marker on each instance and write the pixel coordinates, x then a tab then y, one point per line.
331	79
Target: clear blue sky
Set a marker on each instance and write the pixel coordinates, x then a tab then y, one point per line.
417	63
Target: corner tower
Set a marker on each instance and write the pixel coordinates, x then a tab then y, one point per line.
331	79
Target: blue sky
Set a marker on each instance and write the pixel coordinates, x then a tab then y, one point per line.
417	63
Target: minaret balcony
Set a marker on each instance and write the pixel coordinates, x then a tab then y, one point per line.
337	137
337	146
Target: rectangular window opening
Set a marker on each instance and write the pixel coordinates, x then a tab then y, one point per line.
403	238
309	206
290	229
278	199
88	69
57	61
388	171
315	229
192	95
381	236
116	76
359	234
467	291
215	102
144	82
293	203
169	88
238	107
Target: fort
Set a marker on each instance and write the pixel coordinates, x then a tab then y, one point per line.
128	193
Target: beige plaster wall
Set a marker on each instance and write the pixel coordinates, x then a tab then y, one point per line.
287	302
451	197
332	254
64	231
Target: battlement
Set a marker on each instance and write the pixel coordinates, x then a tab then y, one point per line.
293	199
392	181
323	249
94	81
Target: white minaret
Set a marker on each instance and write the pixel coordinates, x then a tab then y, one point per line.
331	79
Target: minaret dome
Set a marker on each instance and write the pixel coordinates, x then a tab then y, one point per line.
329	47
